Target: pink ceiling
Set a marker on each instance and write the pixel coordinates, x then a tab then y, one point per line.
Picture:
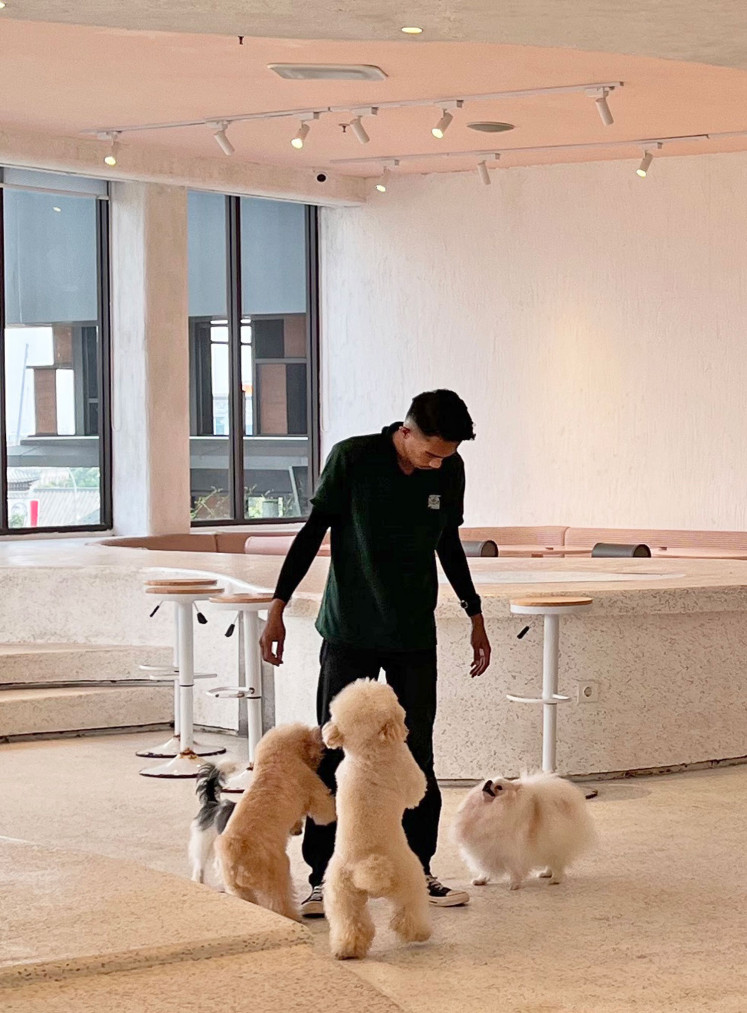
64	80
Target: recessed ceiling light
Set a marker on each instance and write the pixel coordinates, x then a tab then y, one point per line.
327	71
412	30
2	4
490	126
58	210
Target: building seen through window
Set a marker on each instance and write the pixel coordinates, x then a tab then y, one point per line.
252	343
54	312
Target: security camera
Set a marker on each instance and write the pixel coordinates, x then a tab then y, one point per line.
321	177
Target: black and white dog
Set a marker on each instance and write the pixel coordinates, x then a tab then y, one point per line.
210	821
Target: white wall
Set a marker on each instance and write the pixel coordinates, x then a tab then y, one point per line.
593	321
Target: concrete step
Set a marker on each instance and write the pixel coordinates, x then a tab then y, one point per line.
48	710
44	664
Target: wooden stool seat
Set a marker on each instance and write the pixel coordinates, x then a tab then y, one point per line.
551	601
182	582
164	590
242	599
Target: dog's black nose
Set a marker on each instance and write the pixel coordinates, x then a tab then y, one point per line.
488	788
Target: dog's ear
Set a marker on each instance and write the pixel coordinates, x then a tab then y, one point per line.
332	735
394	730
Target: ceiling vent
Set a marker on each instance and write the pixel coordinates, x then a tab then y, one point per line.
327	71
491	127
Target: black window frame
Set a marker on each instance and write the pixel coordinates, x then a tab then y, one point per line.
103	290
235	401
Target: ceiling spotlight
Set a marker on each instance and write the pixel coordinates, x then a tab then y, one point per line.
384	178
359	130
2	4
646	161
412	30
600	101
303	130
482	172
112	136
357	127
301	135
443	124
221	137
58	210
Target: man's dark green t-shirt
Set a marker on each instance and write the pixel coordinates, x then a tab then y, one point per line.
382	587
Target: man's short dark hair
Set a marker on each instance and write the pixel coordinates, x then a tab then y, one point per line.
442	413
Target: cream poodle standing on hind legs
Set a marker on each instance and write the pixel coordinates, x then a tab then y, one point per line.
377	780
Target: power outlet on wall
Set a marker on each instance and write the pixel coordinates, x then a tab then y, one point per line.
587	692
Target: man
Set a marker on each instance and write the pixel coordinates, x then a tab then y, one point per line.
393	501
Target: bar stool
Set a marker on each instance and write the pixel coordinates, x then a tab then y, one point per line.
552	608
170	673
248	606
184	597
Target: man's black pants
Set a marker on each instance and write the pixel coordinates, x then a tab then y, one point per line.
412	676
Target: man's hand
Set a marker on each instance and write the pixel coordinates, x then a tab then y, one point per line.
272	640
480	647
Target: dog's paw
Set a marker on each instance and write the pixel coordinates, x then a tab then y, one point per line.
515	884
545	874
353	946
409	927
480	881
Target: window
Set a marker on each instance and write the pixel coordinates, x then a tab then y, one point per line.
253	352
54	363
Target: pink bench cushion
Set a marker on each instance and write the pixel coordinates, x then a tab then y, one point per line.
658	538
527	535
167	543
271	545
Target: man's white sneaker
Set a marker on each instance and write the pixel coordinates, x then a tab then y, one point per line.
442	896
313	906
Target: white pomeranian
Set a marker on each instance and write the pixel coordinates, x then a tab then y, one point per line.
538	821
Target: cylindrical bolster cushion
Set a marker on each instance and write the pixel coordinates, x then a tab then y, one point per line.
484	548
613	549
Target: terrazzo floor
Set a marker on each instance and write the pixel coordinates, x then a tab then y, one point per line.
656	920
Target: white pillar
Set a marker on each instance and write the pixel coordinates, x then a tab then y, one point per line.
253	677
150	359
550	692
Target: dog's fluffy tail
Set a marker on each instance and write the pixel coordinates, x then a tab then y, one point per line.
209	785
210	821
375	875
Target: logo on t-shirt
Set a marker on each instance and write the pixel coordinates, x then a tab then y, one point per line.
434	502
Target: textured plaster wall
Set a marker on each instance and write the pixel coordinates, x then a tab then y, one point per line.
593	321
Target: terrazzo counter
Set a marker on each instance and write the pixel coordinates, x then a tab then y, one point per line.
664	642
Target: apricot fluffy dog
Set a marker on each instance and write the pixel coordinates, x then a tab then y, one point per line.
285	788
377	780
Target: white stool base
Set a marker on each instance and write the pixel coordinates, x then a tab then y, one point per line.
239	782
183	765
170	749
